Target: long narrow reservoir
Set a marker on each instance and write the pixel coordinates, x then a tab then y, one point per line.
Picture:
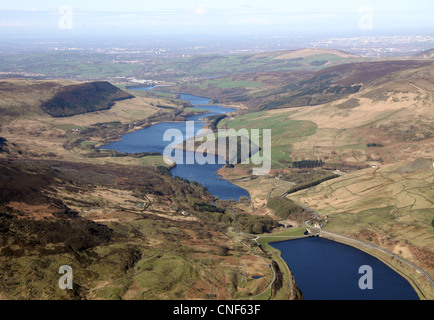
150	139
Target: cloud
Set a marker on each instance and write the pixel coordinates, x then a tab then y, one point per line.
251	21
12	24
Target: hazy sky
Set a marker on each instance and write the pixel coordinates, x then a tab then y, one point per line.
213	16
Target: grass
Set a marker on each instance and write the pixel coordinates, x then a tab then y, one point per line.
265	240
212	65
148	93
68	64
153	161
88	143
68	127
227	83
284	132
163	272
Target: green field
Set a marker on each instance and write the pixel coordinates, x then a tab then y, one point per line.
84	65
68	64
284	132
227	83
152	161
218	65
265	240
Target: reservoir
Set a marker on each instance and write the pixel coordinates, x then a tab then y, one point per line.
150	139
329	270
323	269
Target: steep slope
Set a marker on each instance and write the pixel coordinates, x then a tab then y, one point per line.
281	89
23	96
79	111
59	98
121	230
331	84
83	98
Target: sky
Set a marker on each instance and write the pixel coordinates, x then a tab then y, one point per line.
224	17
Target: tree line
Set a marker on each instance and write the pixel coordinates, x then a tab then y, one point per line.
283	207
307	163
312	183
240	221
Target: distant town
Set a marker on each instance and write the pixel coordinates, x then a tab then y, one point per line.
164	47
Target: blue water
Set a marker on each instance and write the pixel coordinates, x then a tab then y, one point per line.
150	139
206	175
328	270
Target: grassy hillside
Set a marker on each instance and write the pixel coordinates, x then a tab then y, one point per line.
83	98
59	98
125	226
375	146
21	96
36	134
121	230
281	89
284	132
